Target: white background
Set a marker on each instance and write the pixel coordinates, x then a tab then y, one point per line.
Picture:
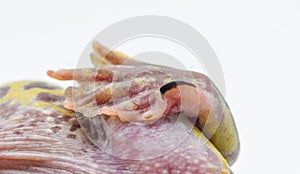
257	43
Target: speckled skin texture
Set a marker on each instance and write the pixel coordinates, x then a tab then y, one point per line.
38	135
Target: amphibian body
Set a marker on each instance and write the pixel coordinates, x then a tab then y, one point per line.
40	133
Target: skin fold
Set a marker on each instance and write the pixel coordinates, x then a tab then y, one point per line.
124	116
39	136
143	93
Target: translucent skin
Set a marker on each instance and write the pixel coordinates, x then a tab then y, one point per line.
38	135
131	90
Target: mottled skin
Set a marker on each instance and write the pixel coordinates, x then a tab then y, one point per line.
38	135
131	90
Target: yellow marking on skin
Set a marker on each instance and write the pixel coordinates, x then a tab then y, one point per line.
17	118
120	54
13	102
200	135
168	80
99	61
25	97
41	104
225	171
229	141
143	81
102	62
140	81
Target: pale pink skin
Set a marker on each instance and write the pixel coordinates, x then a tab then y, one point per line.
44	140
133	92
130	90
